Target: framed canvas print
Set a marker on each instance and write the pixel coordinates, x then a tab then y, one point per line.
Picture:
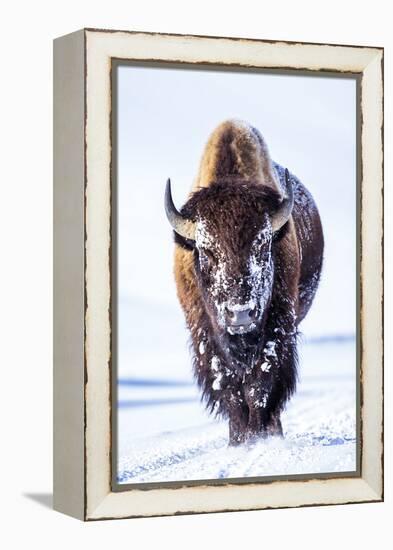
218	274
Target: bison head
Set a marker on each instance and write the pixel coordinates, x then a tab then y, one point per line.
230	226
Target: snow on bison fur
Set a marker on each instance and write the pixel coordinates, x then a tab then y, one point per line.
248	259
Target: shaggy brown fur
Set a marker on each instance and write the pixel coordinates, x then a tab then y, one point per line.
248	377
237	150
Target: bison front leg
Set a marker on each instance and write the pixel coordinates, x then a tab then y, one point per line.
274	426
263	424
256	399
238	419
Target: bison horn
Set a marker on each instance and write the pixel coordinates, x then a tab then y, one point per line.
183	226
281	216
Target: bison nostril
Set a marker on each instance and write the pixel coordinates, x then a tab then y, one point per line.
252	313
229	313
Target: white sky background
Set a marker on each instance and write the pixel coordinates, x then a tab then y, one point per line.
164	119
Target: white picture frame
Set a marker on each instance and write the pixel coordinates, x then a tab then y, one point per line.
83	248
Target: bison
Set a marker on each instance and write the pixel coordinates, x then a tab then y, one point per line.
248	259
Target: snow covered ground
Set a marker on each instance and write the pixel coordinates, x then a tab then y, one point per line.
165	434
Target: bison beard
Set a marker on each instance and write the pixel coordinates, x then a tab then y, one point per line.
233	260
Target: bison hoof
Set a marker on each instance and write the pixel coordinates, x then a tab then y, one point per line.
235	441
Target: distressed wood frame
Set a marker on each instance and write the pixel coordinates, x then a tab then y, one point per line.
82	272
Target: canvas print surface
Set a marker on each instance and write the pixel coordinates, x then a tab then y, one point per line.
235	274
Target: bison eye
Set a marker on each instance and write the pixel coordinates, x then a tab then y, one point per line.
206	259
